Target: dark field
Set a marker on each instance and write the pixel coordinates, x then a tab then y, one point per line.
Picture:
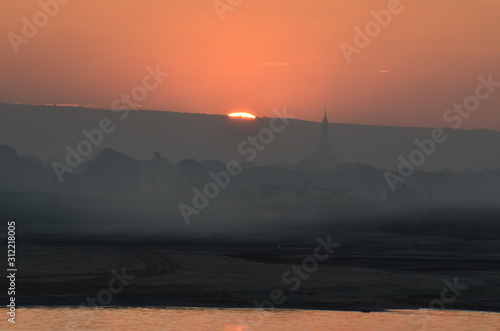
381	272
389	257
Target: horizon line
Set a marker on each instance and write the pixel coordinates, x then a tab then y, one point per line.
94	107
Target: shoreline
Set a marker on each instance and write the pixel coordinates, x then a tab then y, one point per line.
387	310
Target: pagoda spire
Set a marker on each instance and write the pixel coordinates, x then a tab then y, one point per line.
324	155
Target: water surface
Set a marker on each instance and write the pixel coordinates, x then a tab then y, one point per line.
245	319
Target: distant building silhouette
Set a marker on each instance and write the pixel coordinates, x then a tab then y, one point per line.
324	156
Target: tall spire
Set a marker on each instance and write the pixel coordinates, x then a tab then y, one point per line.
324	155
325	119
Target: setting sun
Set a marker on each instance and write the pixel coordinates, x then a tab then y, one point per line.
242	115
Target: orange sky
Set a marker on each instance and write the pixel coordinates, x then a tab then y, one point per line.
92	51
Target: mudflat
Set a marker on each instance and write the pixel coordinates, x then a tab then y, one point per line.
367	272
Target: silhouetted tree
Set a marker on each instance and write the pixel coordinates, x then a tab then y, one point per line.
156	157
111	171
21	173
190	173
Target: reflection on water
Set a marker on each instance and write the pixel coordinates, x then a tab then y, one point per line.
244	319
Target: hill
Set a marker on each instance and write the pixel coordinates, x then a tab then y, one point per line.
46	131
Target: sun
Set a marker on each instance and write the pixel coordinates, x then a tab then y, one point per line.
241	115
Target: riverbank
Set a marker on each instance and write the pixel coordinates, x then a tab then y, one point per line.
373	272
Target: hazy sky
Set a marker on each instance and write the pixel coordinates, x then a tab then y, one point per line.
264	54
